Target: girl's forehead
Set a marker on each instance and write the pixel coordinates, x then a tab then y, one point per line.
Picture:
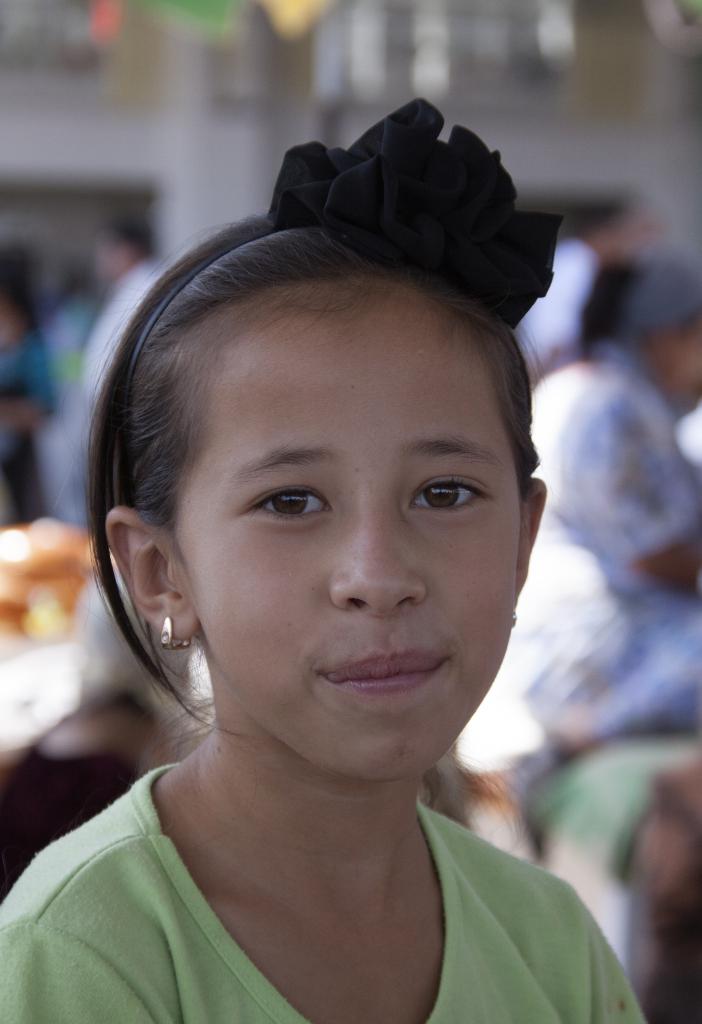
378	370
357	332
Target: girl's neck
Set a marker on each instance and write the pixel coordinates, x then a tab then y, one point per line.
238	809
316	881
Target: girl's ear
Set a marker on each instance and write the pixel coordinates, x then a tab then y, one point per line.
147	563
532	510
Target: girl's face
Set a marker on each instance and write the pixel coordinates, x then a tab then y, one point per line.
354	514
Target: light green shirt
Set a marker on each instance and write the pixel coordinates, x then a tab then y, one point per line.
106	925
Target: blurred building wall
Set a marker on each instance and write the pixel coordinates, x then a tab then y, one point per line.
193	131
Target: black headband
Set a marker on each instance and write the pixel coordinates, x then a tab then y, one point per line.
176	288
400	196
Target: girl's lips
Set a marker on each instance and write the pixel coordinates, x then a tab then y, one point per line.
390	673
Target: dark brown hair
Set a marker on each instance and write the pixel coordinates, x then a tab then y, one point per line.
16	283
147	427
602	311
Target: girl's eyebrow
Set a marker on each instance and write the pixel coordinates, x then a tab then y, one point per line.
282	457
452	444
286	456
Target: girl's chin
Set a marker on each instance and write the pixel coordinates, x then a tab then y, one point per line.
389	764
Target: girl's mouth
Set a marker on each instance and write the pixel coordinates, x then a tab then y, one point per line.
378	675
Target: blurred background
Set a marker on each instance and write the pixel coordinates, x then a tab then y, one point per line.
114	106
130	127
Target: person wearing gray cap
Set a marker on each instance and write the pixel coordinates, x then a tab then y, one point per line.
607	650
608	646
610	634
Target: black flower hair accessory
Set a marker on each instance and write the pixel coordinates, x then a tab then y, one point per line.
398	195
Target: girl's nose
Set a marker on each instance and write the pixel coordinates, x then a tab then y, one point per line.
375	571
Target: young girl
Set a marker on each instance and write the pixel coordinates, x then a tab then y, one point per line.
312	458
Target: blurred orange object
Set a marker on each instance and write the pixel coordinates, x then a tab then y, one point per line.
44	566
106	17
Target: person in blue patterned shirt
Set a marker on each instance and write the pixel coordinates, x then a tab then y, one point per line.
609	640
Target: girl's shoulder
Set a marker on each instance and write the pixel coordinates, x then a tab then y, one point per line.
510	897
95	909
492	890
495	876
98	862
534	933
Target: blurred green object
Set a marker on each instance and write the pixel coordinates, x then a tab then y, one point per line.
213	14
692	5
68	367
597	800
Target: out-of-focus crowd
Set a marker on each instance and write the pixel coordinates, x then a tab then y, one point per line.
53	346
606	656
59	651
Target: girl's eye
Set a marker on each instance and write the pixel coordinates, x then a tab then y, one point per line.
445	494
292	503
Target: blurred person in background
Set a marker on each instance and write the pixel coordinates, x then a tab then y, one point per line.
125	265
119	729
125	268
609	641
626	506
604	235
667	883
61	442
26	387
93	755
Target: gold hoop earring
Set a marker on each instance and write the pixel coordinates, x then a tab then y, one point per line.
167	641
